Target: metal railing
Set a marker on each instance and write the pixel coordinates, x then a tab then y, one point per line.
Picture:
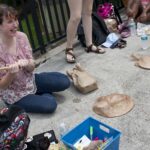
45	21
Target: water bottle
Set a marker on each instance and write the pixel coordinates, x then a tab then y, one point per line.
144	41
132	26
62	129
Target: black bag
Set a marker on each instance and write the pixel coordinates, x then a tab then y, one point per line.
41	141
14	123
99	31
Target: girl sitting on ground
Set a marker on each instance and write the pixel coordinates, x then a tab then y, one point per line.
18	85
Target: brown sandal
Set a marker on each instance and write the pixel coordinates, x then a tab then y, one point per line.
98	50
68	52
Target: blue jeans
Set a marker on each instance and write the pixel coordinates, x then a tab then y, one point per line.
43	101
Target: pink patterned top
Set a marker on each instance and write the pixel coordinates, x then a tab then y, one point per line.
24	82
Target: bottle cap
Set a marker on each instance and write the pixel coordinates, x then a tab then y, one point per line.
144	37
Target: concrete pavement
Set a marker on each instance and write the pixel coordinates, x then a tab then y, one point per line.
115	72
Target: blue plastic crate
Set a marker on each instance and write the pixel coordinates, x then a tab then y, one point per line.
100	130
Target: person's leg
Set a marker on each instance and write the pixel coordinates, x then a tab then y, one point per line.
87	20
75	7
87	7
45	103
48	82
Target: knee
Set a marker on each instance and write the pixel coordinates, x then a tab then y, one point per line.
87	13
53	107
50	107
75	19
65	84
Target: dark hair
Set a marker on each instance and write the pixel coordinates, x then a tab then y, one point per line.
8	12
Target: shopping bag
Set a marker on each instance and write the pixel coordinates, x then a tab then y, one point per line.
82	80
141	61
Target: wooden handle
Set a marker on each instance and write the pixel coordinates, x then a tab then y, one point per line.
4	68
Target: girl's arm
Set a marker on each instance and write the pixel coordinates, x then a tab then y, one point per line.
30	67
7	79
27	64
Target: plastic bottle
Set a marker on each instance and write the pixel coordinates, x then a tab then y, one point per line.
62	129
132	26
144	41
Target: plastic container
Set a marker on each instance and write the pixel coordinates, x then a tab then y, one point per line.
100	131
132	26
62	129
144	41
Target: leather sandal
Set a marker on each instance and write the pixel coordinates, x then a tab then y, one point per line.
68	51
98	50
122	44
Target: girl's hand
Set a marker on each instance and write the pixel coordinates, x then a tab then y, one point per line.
31	65
23	63
27	64
13	68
